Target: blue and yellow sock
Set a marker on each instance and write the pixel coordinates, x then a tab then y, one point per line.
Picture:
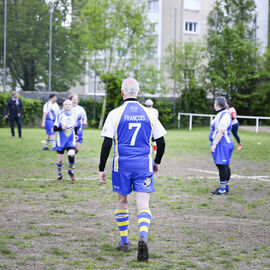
59	168
144	219
46	143
222	186
122	219
51	141
71	162
227	184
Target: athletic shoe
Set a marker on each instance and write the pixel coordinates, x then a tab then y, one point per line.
218	192
45	148
227	190
60	178
239	147
124	248
72	176
142	250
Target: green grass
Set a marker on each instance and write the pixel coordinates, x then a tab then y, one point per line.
72	226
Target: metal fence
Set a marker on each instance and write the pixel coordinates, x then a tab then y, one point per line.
211	116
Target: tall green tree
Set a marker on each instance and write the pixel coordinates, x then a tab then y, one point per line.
119	39
28	45
234	60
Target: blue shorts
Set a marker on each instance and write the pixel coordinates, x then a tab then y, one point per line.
49	127
123	182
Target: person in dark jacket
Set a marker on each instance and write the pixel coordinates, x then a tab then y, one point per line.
13	111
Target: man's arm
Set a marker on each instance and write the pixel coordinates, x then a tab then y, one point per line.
43	119
104	154
21	108
160	152
7	109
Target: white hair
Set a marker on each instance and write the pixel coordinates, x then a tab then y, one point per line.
149	103
130	87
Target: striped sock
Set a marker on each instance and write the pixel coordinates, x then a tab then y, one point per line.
144	218
71	162
122	219
222	186
51	142
59	168
227	184
46	143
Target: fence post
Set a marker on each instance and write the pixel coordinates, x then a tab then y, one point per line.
257	124
211	119
179	118
190	122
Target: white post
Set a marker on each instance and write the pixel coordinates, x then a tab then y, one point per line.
190	122
257	125
211	119
179	118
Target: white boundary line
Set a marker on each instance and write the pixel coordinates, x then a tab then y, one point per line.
264	178
55	179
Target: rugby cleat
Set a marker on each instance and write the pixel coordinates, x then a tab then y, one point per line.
239	147
124	248
227	190
60	178
45	148
143	254
218	192
72	176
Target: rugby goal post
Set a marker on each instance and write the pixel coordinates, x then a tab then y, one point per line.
211	116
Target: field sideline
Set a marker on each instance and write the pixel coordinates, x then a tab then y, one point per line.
48	225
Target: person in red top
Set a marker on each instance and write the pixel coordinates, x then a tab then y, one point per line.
235	123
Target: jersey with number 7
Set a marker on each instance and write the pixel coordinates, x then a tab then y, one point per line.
132	127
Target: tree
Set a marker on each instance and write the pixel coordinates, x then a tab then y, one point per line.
233	55
118	37
28	45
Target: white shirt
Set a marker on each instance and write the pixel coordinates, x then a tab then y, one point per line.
52	110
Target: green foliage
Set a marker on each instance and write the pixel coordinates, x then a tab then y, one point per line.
188	64
32	110
28	45
88	105
233	55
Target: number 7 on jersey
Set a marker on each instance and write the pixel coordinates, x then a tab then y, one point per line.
137	126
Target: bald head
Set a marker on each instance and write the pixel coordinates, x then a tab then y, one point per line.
130	87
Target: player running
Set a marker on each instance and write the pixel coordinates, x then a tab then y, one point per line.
132	128
235	123
82	120
222	144
66	124
50	111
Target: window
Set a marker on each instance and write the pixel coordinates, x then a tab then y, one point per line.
153	5
121	53
192	4
191	27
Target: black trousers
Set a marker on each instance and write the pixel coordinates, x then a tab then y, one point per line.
16	118
224	172
235	132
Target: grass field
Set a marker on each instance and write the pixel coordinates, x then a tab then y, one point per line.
48	225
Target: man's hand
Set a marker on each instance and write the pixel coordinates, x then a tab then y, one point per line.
213	148
102	178
156	168
19	114
6	117
42	125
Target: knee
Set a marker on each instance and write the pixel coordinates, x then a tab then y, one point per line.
122	202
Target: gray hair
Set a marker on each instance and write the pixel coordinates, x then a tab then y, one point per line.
149	103
130	87
221	102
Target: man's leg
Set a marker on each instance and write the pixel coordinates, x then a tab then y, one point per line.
12	126
144	219
19	124
60	158
71	162
223	180
122	219
77	147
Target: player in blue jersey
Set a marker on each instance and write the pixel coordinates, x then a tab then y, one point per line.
66	124
50	111
132	128
222	144
82	120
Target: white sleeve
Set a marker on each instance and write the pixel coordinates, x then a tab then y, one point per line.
56	122
83	113
224	122
109	126
58	109
46	107
158	130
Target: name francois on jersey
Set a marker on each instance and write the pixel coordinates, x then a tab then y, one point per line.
139	117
